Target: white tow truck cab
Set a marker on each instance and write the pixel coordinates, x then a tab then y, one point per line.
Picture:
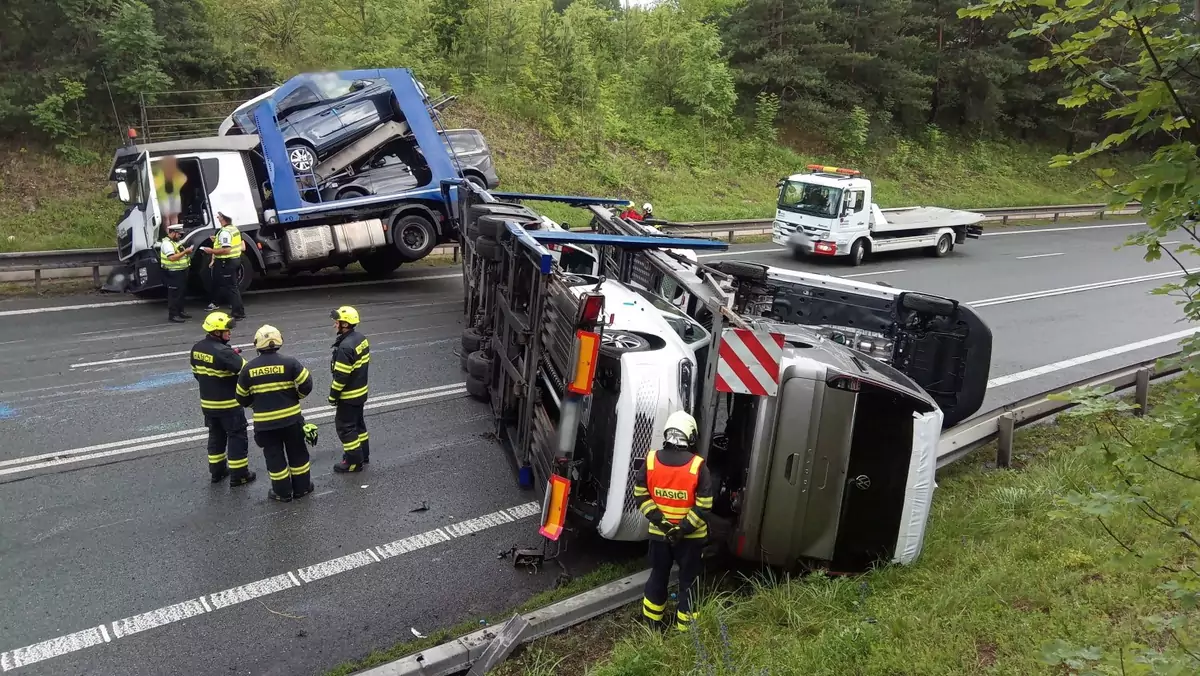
830	211
582	358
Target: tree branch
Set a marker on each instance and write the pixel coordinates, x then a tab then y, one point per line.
1161	466
1183	110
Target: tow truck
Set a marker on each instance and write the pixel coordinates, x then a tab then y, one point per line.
286	226
583	343
830	212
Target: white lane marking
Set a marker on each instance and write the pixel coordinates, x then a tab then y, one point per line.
143	357
868	274
1084	359
334	566
119	303
181	611
1047	293
112	448
45	650
1161	243
252	590
157	618
1046	255
1026	231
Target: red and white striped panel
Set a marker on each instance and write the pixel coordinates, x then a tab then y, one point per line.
749	362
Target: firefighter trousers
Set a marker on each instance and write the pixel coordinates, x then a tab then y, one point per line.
287	459
663	556
228	444
351	428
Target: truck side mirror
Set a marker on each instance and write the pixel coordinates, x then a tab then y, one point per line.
123	191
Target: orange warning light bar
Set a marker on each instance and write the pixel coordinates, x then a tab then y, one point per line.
556	510
587	349
833	170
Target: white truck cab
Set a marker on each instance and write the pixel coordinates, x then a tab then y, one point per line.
831	211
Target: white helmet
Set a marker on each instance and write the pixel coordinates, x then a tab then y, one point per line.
680	429
647	207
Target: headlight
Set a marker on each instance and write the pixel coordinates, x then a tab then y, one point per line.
143	275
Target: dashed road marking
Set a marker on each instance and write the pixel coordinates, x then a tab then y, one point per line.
1033	231
1084	359
177	612
1045	255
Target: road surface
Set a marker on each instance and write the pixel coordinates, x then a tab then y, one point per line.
118	557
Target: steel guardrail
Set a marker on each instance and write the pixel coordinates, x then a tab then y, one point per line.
37	261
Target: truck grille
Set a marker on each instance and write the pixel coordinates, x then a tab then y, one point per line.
643	433
785	229
125	244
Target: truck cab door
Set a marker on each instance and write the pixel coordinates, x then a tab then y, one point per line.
152	216
854	211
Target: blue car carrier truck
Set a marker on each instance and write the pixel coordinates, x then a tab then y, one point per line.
286	227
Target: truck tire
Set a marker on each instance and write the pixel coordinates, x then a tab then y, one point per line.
413	236
491	226
472	232
488	249
858	252
748	271
472	339
381	263
517	211
944	246
246	273
477	388
479	365
933	305
616	343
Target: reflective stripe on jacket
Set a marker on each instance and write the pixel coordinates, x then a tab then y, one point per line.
351	358
673	491
216	367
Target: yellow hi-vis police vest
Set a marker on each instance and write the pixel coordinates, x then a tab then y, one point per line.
235	242
170	248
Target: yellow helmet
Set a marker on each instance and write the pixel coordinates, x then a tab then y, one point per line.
268	337
680	429
217	321
345	314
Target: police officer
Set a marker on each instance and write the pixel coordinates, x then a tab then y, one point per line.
348	392
273	385
216	366
226	261
674	491
175	262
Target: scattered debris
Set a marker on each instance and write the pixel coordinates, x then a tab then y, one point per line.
301	634
423	508
417	633
276	612
363	486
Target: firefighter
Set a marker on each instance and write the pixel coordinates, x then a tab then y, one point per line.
647	211
226	260
348	391
176	262
630	214
674	491
216	366
273	385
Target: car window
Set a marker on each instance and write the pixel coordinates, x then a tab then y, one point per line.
330	85
298	99
462	143
684	326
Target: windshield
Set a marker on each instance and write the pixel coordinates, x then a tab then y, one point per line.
680	323
809	198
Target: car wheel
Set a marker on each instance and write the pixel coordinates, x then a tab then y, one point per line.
488	249
619	342
351	193
381	263
477	388
479	365
302	157
945	245
858	252
414	236
476	181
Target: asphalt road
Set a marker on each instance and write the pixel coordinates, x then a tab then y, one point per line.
118	557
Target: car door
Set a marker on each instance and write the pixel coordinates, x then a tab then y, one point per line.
358	109
304	115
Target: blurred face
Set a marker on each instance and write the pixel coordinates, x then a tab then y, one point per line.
226	335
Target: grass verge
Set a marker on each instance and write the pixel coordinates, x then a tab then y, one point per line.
999	578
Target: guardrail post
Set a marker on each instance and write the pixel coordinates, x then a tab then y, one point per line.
1056	217
454	254
1100	216
1004	440
1004	219
731	237
37	281
96	276
1141	392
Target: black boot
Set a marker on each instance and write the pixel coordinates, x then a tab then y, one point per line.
218	476
278	498
176	319
246	478
184	315
344	467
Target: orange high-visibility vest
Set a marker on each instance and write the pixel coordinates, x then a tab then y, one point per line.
673	489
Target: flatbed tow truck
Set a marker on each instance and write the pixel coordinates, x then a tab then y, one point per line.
823	453
286	226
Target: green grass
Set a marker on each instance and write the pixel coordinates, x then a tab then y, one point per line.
997	579
688	170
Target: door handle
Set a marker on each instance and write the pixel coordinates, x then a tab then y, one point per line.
788	467
326	113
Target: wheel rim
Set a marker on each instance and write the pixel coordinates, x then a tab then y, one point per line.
414	237
622	341
301	159
943	245
858	253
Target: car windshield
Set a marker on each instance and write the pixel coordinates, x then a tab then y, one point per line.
810	198
461	143
330	85
680	323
